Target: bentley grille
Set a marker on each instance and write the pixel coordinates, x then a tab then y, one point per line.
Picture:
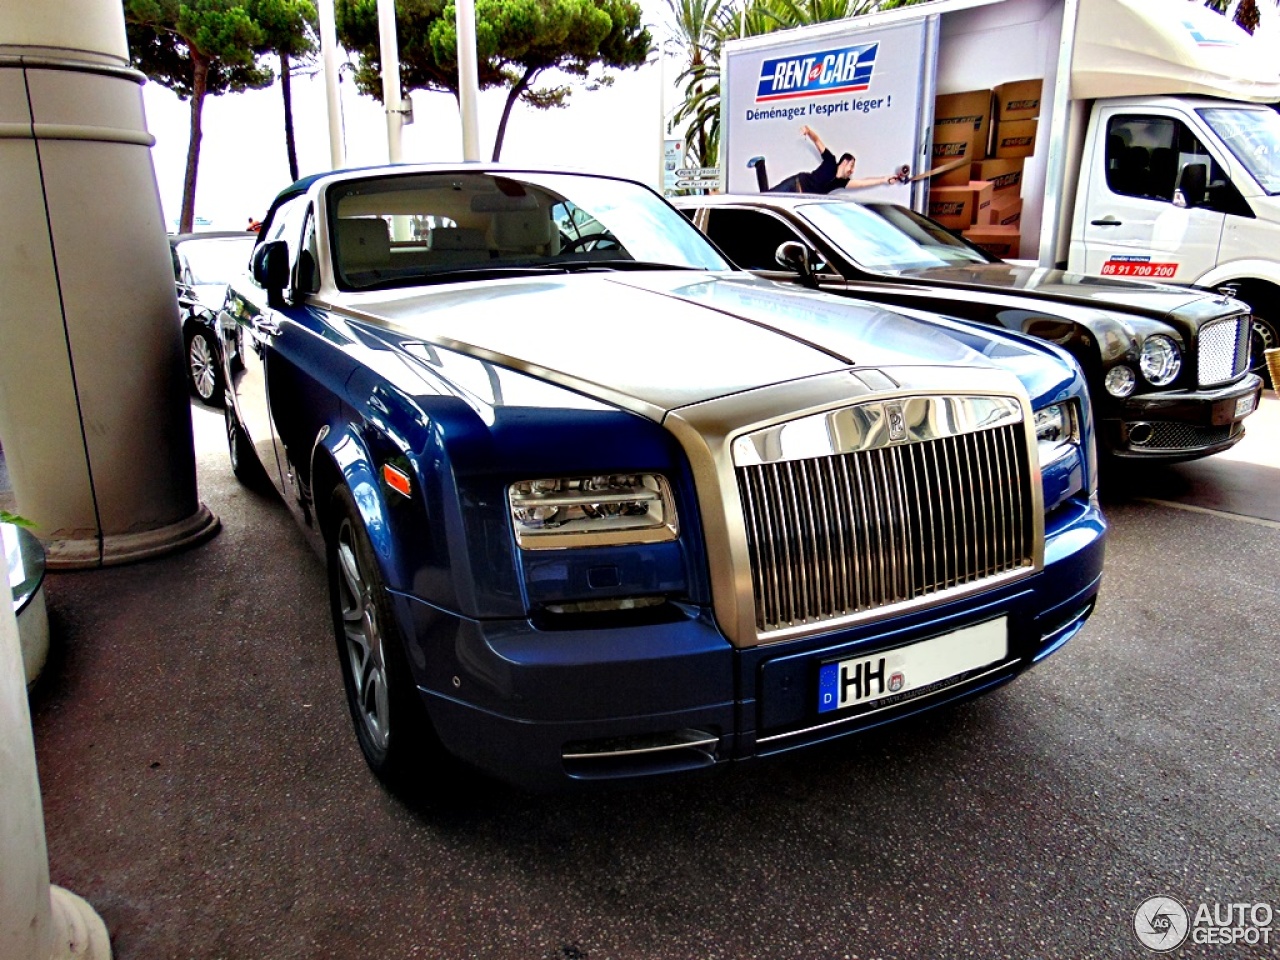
1223	352
837	535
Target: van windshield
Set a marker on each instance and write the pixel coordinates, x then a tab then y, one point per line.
1252	134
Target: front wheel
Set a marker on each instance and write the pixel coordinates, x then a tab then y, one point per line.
391	725
244	459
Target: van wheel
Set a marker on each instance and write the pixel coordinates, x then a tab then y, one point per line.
1263	338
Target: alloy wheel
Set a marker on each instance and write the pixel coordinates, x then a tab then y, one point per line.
203	366
363	639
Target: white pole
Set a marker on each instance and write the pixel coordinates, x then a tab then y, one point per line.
390	55
37	921
329	58
468	79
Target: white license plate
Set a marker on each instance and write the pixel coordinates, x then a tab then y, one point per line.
906	670
1245	405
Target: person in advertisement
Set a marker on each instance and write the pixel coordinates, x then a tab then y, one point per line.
829	175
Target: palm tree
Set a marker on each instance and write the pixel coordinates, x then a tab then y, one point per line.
696	23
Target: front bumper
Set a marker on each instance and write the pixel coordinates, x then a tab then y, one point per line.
1181	425
545	709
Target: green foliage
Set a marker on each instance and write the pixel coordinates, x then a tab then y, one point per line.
289	27
167	39
196	48
13	518
516	42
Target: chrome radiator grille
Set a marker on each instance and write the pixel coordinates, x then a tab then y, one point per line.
834	536
1223	350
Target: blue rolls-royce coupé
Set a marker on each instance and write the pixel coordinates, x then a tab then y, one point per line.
597	506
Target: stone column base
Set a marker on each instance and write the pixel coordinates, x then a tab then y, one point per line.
110	551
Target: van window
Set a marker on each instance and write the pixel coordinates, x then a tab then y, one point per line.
1149	157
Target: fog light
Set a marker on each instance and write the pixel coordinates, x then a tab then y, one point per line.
1120	381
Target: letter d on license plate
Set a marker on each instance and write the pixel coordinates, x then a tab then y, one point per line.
904	670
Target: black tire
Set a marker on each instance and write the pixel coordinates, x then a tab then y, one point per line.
390	721
1264	337
204	367
244	459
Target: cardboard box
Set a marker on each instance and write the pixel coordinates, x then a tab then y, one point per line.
1016	138
1005	210
958	207
1002	242
961	131
1018	100
947	152
1005	174
969	111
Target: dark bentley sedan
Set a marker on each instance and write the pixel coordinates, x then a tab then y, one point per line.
202	265
1168	367
597	506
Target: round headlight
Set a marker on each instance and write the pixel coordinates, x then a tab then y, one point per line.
1161	360
1120	381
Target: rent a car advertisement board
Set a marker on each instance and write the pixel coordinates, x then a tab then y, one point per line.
859	93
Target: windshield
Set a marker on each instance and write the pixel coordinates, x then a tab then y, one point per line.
886	237
214	260
1253	136
398	230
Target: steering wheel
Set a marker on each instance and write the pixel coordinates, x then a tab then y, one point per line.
591	241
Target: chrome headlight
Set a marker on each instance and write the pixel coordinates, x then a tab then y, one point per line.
1057	432
1120	381
604	510
1161	360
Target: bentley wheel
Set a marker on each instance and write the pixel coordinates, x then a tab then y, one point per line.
202	368
389	719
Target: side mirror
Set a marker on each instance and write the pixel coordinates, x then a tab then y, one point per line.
271	269
794	255
1192	183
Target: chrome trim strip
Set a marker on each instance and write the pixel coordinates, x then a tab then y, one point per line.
709	743
999	667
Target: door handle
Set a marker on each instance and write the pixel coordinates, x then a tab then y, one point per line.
265	327
1106	222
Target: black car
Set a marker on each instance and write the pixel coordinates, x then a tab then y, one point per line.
203	263
1169	368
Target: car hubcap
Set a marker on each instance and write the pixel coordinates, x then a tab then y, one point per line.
363	637
203	372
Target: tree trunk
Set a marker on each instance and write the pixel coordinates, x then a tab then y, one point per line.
199	84
289	144
512	96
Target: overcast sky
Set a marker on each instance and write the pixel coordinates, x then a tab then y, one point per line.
243	162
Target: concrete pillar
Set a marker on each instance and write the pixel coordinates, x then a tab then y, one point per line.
37	921
94	410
